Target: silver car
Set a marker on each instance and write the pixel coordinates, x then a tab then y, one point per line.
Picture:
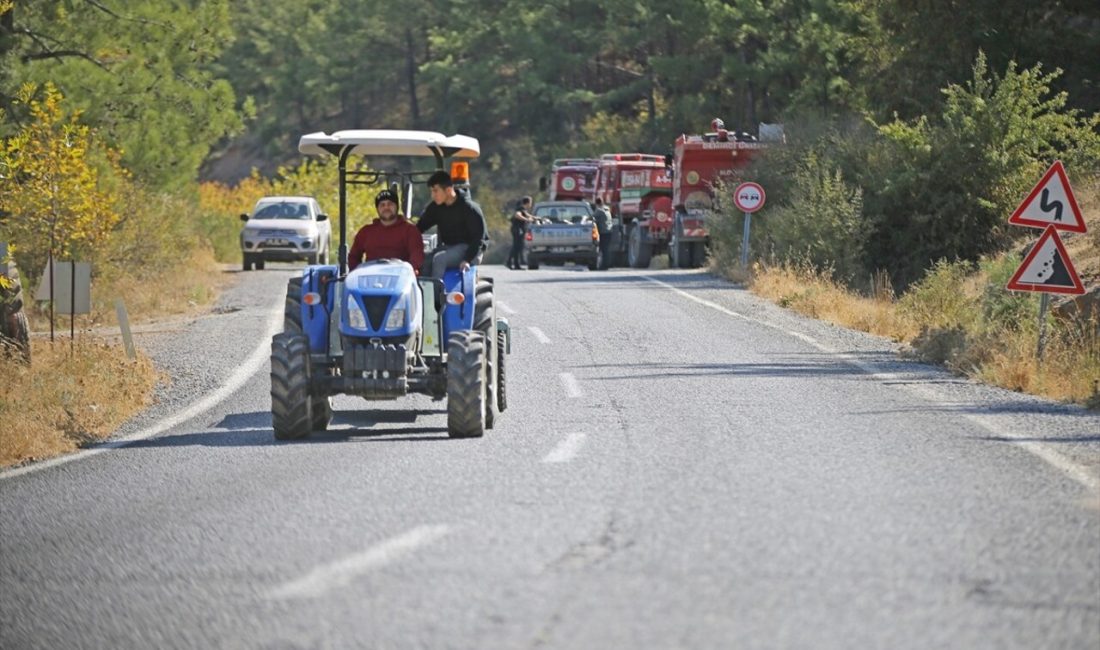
286	229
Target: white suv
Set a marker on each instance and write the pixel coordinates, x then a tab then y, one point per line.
285	228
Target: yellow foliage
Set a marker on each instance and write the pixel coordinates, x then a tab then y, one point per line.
50	181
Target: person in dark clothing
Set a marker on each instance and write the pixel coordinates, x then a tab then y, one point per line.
389	236
602	217
459	223
520	219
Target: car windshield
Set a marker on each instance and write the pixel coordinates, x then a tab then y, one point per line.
562	213
282	210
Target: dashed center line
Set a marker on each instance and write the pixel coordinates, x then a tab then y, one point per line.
341	572
572	388
542	337
505	308
566	449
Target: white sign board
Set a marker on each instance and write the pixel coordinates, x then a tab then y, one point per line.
72	287
749	197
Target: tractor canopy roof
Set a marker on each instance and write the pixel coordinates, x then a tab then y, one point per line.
385	142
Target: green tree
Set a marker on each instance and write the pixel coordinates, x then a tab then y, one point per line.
139	71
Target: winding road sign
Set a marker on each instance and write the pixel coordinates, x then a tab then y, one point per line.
1050	203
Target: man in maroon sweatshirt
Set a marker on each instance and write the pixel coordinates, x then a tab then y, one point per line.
389	236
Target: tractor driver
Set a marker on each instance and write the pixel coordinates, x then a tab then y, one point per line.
389	236
459	223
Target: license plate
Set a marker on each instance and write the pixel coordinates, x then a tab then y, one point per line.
277	242
561	249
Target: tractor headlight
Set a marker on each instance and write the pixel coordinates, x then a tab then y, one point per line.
356	318
396	319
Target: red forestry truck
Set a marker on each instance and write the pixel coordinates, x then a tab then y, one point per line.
637	188
660	203
700	161
571	179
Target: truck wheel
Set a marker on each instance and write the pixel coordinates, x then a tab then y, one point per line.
291	408
502	383
260	264
679	253
533	263
698	254
292	308
638	252
466	384
247	266
594	264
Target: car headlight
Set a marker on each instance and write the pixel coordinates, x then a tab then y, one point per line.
356	318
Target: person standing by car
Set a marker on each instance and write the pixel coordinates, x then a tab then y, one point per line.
602	216
520	218
460	224
388	236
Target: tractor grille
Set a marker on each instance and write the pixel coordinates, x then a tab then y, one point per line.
376	310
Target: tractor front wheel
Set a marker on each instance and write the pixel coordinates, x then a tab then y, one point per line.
292	307
291	405
466	384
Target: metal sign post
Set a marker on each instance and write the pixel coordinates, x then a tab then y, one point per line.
748	197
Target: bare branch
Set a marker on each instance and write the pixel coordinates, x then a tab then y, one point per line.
63	54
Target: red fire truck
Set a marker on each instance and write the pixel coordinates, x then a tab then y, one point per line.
698	163
571	179
637	188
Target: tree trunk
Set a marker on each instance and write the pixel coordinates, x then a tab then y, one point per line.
410	70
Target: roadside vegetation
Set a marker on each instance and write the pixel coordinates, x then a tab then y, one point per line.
133	133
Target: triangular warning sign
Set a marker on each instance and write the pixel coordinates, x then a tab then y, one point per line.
1050	203
1047	268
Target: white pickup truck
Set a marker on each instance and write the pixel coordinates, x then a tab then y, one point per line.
564	232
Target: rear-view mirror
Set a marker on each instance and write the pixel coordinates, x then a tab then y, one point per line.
244	217
542	183
322	217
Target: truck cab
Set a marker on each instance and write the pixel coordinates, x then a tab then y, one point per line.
637	188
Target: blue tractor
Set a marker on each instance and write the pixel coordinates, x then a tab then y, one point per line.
380	332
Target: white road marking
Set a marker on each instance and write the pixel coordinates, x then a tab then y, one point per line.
566	449
341	572
242	374
504	307
572	388
543	338
1049	455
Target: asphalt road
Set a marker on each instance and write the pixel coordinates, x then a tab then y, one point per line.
682	466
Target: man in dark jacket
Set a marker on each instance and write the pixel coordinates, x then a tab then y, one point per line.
520	218
459	223
389	236
602	216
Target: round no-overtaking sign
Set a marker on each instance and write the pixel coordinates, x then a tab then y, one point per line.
749	197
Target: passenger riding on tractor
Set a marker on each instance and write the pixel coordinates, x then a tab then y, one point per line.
379	331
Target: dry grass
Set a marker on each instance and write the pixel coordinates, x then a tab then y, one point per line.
993	353
815	294
65	399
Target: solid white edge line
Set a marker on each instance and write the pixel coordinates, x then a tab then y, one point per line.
572	388
539	334
566	449
343	571
1052	457
242	374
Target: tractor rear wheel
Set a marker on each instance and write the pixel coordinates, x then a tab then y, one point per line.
485	321
292	308
291	408
322	412
466	384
